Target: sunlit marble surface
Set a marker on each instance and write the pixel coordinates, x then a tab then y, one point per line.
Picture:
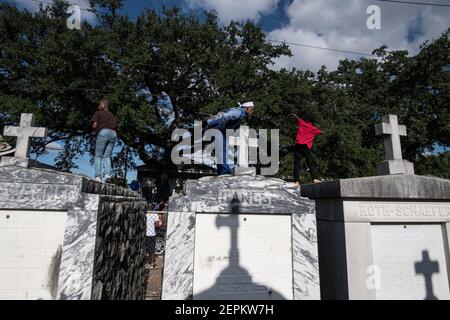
257	195
41	189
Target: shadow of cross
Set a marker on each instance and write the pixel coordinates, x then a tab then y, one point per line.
427	267
235	282
24	133
228	221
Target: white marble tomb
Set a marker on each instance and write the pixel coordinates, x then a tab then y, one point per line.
384	237
241	237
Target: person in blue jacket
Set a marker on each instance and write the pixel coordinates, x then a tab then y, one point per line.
229	119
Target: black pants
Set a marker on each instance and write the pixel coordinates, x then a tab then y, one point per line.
302	151
150	244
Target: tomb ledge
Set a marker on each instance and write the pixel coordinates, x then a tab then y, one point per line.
404	186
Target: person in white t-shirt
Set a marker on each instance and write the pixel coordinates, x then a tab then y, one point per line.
152	222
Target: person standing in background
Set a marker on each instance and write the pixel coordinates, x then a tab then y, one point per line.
104	125
152	222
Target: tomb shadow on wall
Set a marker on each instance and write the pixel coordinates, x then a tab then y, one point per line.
332	249
427	268
234	275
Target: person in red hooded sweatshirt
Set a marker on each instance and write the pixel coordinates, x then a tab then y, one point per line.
306	132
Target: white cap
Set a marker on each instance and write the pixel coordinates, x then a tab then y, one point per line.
247	105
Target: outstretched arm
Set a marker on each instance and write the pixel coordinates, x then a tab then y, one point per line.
317	131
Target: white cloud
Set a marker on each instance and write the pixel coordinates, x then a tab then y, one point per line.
236	9
34	6
342	25
54	146
310	58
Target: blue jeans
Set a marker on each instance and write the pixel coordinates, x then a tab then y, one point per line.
225	167
106	139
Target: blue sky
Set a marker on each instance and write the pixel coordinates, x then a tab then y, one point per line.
274	19
83	163
337	24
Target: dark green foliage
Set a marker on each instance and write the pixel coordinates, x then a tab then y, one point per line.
61	74
434	165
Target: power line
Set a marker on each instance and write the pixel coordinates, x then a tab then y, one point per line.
270	40
417	3
322	48
122	91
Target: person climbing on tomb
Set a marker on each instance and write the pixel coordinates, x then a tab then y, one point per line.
104	125
229	119
304	139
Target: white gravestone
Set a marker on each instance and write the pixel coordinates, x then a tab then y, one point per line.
30	253
243	256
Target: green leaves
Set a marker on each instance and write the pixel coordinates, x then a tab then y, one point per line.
61	74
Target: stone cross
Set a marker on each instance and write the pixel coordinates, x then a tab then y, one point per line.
392	132
24	133
244	142
393	161
427	267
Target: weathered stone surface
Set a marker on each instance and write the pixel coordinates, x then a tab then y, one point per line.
394	163
366	222
256	195
381	187
12	161
24	133
37	176
104	238
119	267
391	167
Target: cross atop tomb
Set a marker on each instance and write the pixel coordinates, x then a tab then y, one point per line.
24	133
392	131
244	142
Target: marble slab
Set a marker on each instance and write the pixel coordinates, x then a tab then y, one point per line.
82	199
412	262
179	256
256	195
373	232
